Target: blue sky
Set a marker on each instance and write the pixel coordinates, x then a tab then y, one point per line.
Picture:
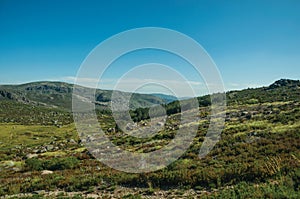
253	42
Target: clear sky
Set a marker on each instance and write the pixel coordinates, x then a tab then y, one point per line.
252	42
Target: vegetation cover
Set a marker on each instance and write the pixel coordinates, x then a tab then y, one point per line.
258	155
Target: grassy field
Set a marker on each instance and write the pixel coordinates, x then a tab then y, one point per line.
258	156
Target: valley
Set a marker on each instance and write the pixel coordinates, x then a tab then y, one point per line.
258	156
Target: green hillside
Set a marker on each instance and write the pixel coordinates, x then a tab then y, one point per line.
258	155
59	95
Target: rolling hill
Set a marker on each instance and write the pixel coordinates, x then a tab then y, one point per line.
257	155
59	95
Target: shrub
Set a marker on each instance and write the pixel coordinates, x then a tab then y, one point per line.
61	163
52	164
34	164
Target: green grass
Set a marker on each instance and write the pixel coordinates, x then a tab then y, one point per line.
257	157
12	135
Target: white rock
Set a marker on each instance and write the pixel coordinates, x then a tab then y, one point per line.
46	172
30	155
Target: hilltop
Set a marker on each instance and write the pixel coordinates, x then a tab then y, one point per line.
59	95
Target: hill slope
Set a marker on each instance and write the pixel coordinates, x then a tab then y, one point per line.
283	90
49	103
257	155
59	95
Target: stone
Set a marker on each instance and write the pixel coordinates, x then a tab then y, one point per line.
46	172
90	138
244	113
90	195
16	169
131	126
30	155
111	130
49	147
10	163
35	151
39	192
96	151
72	141
42	150
160	124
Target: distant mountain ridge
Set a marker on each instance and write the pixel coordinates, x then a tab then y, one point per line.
49	103
59	95
167	98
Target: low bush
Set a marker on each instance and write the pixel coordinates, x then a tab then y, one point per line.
51	164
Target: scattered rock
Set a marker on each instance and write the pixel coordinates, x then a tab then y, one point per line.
39	192
82	141
42	150
111	130
96	151
131	126
90	138
30	155
72	141
160	124
35	151
49	147
90	195
16	169
9	163
244	113
46	172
